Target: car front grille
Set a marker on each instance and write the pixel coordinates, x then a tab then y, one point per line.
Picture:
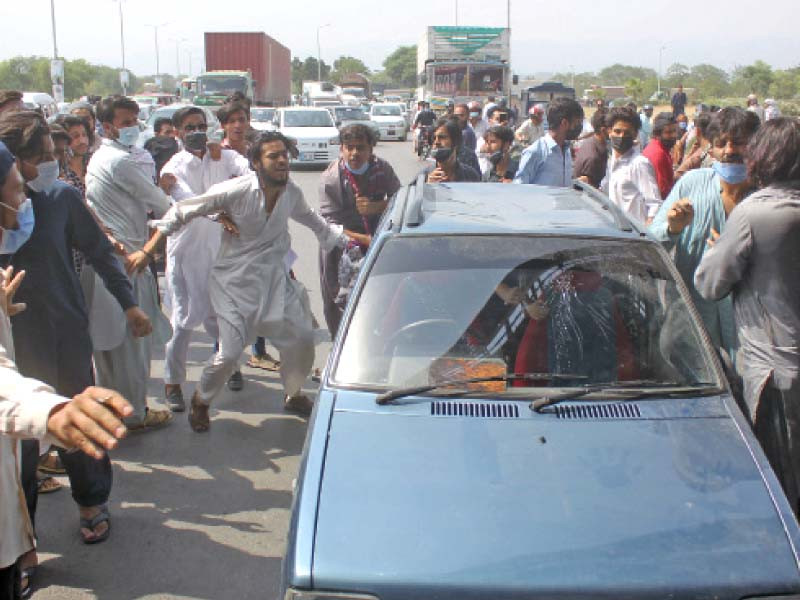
486	410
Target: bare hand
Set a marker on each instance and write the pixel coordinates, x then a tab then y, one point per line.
136	262
138	321
537	310
167	182
89	425
214	150
714	237
510	295
227	223
438	175
679	216
9	283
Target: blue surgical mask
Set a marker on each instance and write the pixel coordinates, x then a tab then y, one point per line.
733	173
48	173
683	125
14	239
360	171
128	135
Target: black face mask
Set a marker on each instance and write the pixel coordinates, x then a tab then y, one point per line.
441	155
195	140
668	144
496	157
621	144
575	132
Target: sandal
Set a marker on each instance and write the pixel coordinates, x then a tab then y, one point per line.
26	582
264	361
51	464
101	517
153	419
47	485
199	420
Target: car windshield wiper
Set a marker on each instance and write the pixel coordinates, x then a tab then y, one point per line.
387	397
637	389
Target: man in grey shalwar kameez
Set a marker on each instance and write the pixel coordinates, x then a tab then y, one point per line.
251	291
757	261
121	194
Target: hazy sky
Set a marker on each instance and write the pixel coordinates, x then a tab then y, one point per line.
546	36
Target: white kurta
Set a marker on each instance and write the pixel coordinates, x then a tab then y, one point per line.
192	251
251	291
631	184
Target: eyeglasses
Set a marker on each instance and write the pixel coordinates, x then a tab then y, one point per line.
200	127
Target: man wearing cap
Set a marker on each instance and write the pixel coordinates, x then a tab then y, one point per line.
754	107
533	128
646	117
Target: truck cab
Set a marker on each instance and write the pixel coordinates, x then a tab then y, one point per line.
214	87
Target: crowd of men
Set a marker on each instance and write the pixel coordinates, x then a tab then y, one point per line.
85	211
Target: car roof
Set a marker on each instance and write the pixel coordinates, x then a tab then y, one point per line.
303	108
483	208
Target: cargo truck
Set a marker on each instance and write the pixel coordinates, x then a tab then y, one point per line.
463	63
248	62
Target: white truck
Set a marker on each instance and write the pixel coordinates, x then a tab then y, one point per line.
463	63
321	94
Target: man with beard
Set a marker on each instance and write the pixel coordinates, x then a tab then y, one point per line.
548	161
251	291
191	253
698	207
659	150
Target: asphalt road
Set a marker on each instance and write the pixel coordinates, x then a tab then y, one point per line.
198	516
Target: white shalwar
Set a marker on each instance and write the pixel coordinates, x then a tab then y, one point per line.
191	254
251	291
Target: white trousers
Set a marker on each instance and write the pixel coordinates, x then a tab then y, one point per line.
177	351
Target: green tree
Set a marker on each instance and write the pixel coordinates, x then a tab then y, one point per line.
753	79
583	81
306	70
618	74
676	75
345	65
784	85
401	66
634	88
709	81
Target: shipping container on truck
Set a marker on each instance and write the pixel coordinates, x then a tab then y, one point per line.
464	63
268	62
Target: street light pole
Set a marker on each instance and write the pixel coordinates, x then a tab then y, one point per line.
178	42
660	51
456	13
572	76
122	46
155	33
53	19
319	53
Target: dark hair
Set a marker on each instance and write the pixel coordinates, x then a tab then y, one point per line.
631	105
180	115
70	121
226	111
239	97
160	122
453	128
265	138
661	122
599	119
562	108
7	96
462	105
109	104
773	154
625	114
22	132
702	121
502	133
356	132
58	132
733	121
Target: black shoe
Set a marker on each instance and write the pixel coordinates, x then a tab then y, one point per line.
175	400
236	383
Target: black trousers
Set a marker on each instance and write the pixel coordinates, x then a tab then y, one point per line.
9	583
62	359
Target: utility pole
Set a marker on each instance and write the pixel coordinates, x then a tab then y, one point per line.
178	42
123	75
319	53
456	13
53	19
660	52
508	14
158	62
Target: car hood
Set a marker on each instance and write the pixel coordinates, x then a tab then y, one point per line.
484	508
387	119
306	133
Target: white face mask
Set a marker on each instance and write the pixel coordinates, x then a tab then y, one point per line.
128	135
48	173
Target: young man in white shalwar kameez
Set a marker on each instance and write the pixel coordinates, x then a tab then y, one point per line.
251	290
191	252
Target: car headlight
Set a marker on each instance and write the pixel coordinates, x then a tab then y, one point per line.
334	141
292	594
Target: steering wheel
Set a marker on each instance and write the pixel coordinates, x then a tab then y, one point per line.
410	328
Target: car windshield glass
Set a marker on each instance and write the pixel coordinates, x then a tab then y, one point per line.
386	111
221	85
161	113
307	118
350	114
262	115
455	307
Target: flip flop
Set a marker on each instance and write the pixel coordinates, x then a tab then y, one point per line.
100	517
47	485
26	590
51	464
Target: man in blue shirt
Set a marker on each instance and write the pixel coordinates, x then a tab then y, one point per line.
548	161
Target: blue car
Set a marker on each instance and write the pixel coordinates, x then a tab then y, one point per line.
522	403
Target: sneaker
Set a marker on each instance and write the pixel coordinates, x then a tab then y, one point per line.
175	400
153	419
236	382
298	403
264	361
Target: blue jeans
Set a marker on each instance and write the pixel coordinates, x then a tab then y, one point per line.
260	347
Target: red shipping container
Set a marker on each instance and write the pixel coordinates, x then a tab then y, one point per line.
269	62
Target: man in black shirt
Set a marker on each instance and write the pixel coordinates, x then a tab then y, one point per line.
591	159
679	102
